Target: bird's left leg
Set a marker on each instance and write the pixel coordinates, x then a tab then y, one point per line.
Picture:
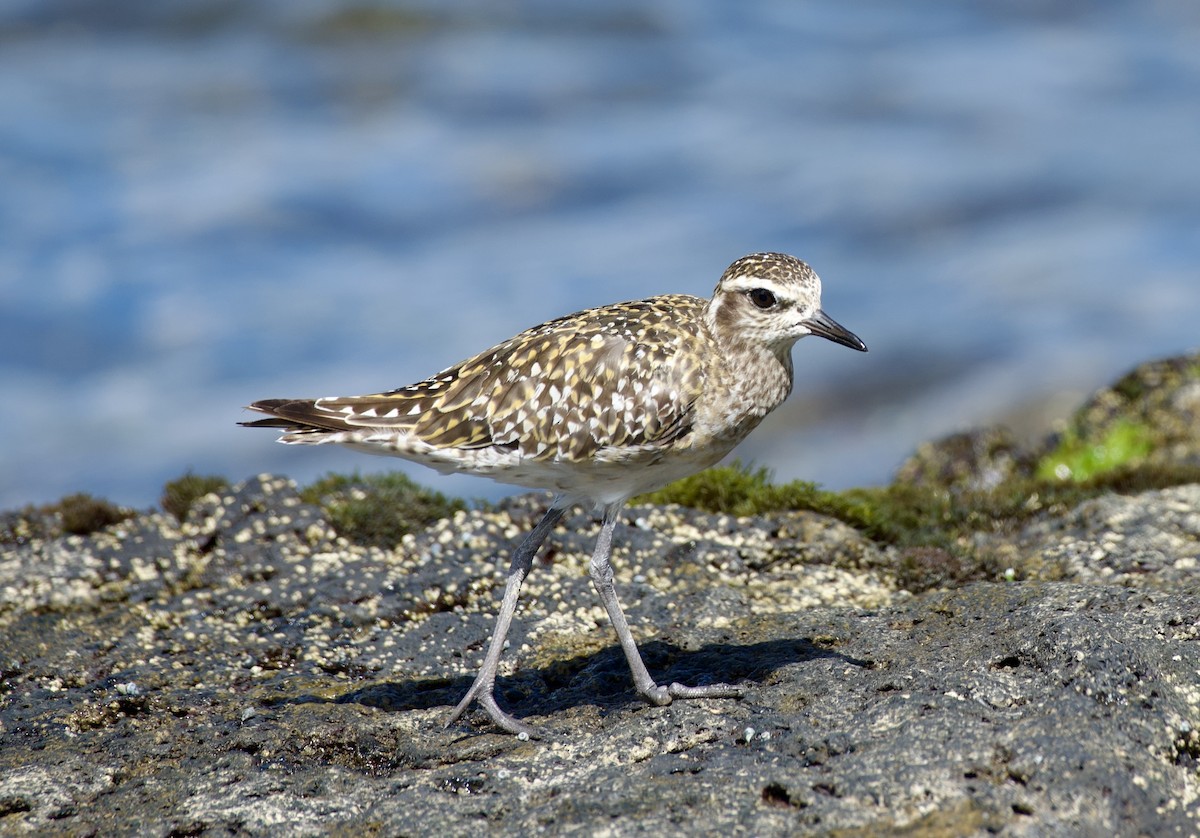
518	569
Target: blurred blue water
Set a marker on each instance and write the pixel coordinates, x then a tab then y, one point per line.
203	204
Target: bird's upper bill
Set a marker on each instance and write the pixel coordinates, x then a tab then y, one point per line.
822	325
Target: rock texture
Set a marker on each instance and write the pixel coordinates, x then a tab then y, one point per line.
249	671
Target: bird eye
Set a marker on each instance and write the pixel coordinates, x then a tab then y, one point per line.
762	298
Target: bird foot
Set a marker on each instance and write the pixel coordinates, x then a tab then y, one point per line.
487	702
660	696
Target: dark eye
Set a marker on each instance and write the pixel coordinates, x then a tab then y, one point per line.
762	298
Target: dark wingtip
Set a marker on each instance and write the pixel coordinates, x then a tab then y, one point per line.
276	410
273	422
268	405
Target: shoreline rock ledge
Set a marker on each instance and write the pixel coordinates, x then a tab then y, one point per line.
249	670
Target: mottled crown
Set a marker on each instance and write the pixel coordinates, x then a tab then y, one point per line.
777	267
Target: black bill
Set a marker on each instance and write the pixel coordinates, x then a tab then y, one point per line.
822	325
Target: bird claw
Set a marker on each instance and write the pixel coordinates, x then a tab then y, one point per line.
660	696
487	703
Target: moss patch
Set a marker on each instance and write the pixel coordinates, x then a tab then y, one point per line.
82	513
77	514
378	509
179	495
893	514
911	516
1124	443
736	489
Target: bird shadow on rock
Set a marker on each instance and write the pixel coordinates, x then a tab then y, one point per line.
600	679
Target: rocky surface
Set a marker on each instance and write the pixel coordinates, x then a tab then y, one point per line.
250	671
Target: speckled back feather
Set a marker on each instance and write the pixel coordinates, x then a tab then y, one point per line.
613	377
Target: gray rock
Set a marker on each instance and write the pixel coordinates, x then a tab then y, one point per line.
978	460
1162	396
1152	413
250	671
1151	539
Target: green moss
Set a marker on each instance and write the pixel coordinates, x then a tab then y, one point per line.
82	513
884	514
77	514
179	495
743	490
1141	477
1125	443
913	516
378	509
933	521
736	489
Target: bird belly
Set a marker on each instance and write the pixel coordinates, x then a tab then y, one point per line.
613	475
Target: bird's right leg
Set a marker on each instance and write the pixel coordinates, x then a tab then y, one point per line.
602	579
518	569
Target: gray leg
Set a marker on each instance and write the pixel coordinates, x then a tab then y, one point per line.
518	569
602	579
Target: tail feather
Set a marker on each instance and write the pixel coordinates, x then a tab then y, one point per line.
294	415
273	422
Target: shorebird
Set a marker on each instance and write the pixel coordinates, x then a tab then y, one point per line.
597	407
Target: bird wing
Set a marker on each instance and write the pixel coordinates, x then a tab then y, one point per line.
620	376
